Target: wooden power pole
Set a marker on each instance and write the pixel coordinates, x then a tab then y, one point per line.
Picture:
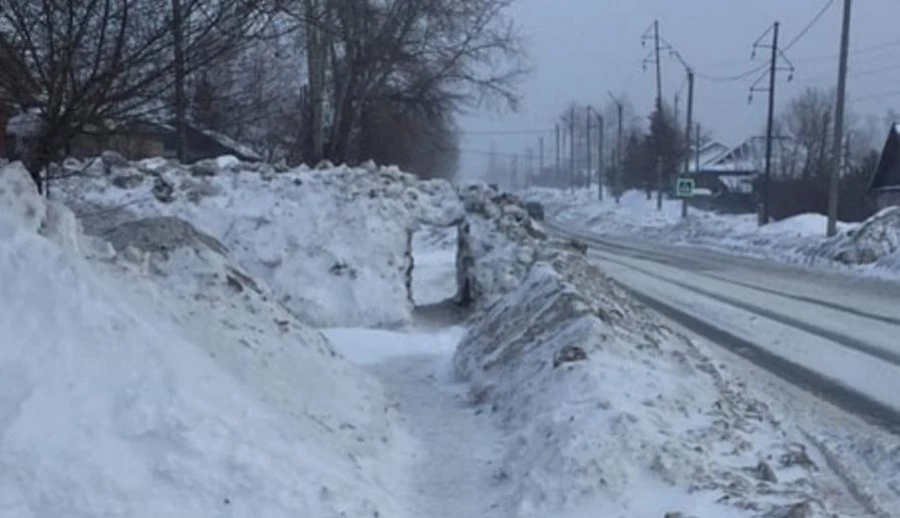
659	107
835	180
558	165
600	134
687	135
765	205
589	149
572	151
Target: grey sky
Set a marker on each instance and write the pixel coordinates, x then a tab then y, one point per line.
582	48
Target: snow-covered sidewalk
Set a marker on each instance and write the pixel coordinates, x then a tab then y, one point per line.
873	249
458	447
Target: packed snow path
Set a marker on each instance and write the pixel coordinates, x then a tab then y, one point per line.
457	459
835	335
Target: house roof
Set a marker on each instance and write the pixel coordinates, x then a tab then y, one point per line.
887	173
709	152
748	157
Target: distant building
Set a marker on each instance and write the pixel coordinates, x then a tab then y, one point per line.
736	169
134	139
142	139
886	177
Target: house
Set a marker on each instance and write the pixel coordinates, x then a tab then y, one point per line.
142	139
134	139
737	169
885	184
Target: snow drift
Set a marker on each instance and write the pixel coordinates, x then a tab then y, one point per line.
798	239
334	244
163	381
615	415
498	243
874	242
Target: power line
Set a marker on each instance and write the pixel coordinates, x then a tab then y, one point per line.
853	52
735	77
870	97
810	25
510	132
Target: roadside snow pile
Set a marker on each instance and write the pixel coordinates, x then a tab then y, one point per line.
875	242
498	243
798	239
164	382
614	414
334	244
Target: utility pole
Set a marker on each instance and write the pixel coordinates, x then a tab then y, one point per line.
514	170
687	136
587	145
655	59
572	151
834	184
698	147
765	206
600	133
529	171
769	125
541	158
659	107
617	160
558	168
689	126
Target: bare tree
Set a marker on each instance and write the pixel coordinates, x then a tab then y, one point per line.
428	55
808	120
85	62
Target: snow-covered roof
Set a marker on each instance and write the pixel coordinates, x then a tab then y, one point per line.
709	152
748	157
887	171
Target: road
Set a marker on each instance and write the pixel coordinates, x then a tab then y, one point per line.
835	335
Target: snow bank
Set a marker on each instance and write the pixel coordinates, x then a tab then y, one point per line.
334	244
616	415
166	382
498	243
875	242
799	239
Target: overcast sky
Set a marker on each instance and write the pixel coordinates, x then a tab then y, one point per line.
580	49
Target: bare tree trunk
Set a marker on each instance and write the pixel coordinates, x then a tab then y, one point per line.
180	100
316	57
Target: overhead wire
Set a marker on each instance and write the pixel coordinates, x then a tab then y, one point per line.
809	25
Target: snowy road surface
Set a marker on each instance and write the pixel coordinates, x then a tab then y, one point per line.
835	335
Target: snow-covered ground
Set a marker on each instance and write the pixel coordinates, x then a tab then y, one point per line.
238	341
797	239
171	385
611	413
